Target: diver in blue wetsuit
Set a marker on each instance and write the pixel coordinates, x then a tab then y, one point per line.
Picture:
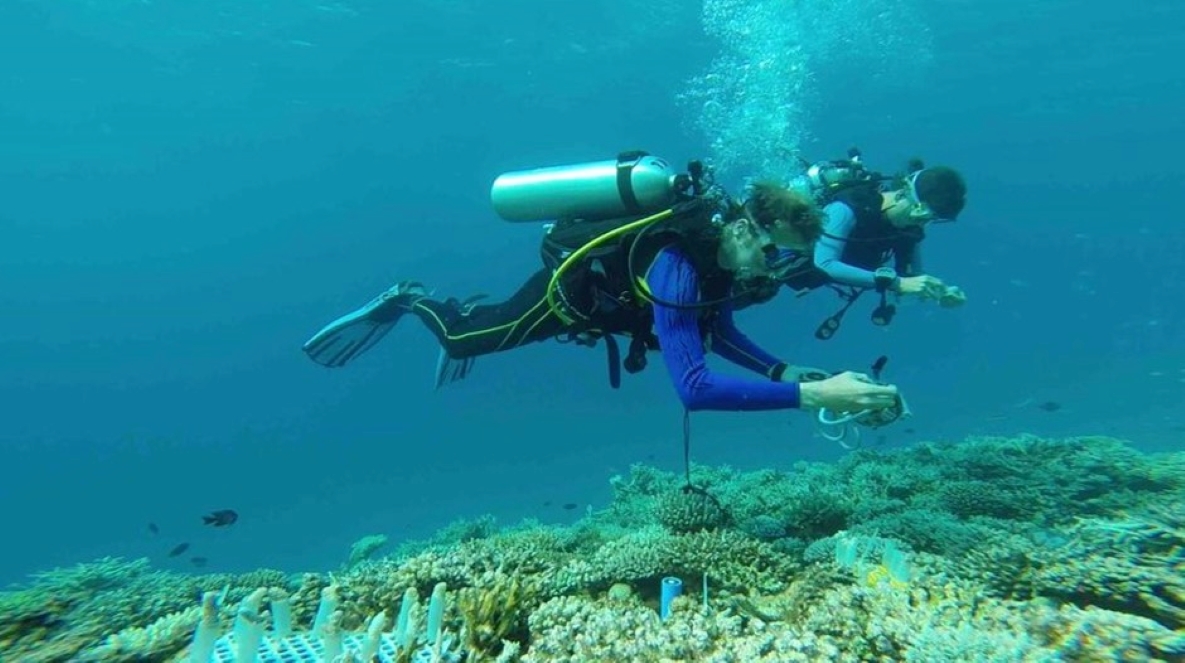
664	280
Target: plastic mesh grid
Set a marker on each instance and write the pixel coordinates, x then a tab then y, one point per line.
303	648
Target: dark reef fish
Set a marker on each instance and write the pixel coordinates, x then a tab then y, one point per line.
178	549
221	518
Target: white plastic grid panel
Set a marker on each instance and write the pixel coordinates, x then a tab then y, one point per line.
303	648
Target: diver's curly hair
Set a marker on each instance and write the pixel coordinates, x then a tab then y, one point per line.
770	202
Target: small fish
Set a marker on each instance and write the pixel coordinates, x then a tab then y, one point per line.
221	518
547	503
153	529
570	506
199	562
911	431
178	549
1050	406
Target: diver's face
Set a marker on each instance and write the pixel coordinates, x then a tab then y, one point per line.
745	249
903	211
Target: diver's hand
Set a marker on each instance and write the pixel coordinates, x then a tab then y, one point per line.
847	392
952	297
926	286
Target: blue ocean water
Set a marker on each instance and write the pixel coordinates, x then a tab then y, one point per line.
189	190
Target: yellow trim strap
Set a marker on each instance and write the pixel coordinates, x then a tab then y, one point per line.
578	254
509	328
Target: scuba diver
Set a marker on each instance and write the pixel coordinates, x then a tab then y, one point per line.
872	220
639	251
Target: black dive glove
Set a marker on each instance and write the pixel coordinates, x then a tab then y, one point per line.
784	372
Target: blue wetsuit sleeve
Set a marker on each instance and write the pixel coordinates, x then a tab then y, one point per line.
672	278
730	343
837	226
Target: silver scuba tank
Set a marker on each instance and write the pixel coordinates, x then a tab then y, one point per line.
820	179
633	184
805	185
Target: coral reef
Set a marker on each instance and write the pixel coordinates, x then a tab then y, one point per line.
365	548
991	549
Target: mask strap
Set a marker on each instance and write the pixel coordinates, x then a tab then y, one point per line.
912	181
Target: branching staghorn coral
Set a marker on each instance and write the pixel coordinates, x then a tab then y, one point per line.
1134	565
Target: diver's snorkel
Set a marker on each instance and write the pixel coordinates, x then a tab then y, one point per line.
847	424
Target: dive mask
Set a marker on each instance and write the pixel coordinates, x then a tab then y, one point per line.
921	211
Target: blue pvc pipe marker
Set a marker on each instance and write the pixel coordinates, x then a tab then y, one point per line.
671	588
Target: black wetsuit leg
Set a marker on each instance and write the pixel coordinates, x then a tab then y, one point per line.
485	329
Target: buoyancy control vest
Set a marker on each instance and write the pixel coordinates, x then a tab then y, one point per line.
607	285
874	239
609	220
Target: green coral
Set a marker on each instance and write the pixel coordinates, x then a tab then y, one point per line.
160	639
458	531
732	561
932	531
686	511
495	613
67	611
365	549
1021	548
1134	564
976	497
